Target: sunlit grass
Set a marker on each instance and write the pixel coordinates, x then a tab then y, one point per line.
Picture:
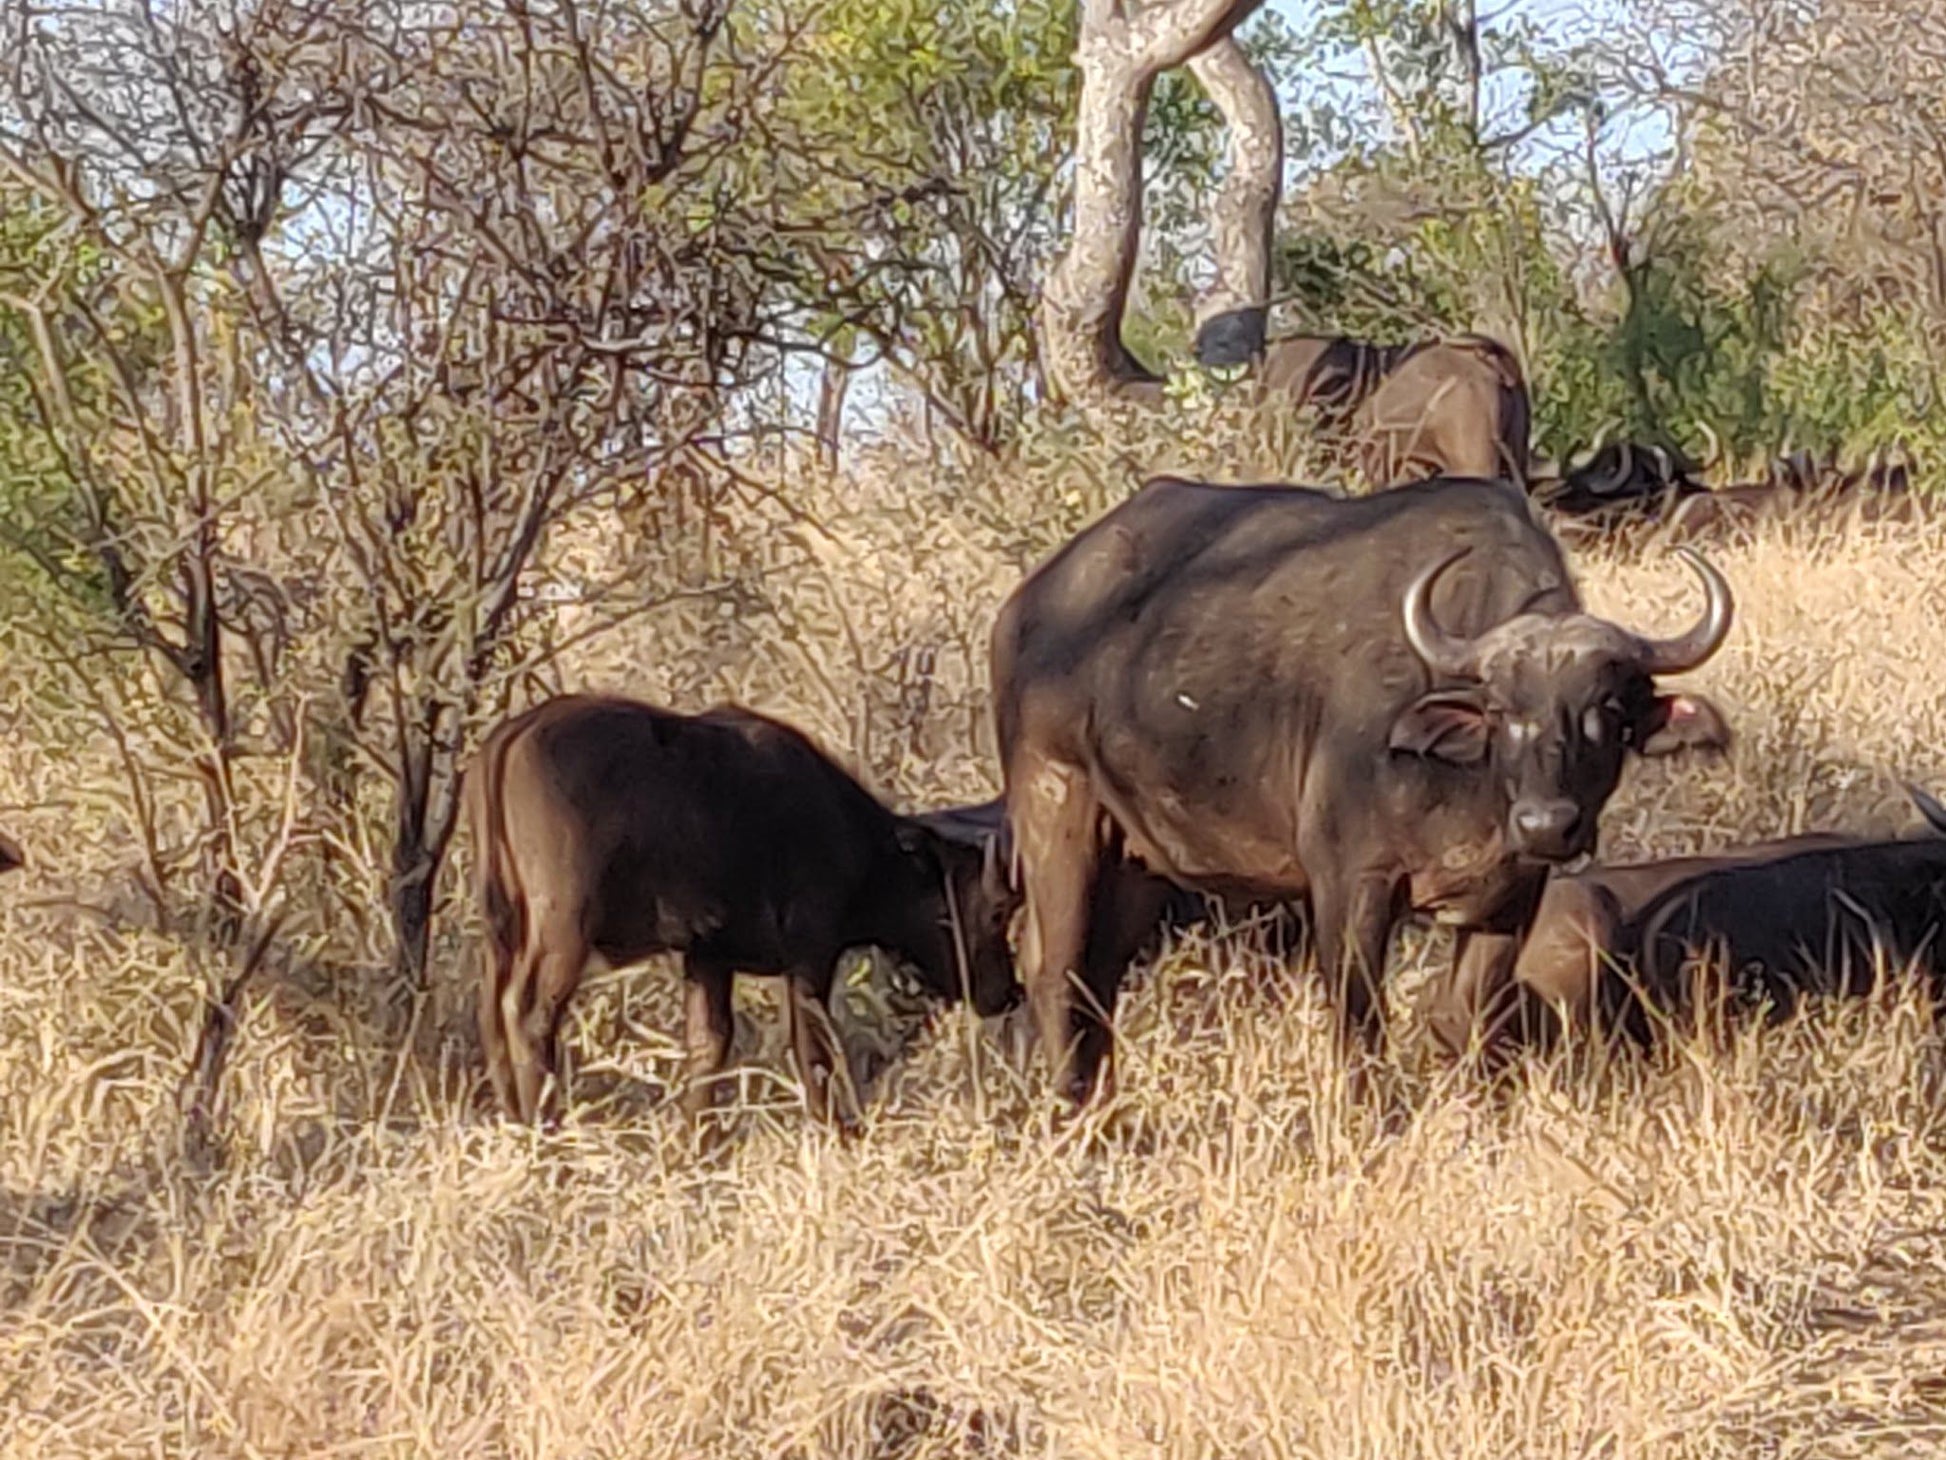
1734	1247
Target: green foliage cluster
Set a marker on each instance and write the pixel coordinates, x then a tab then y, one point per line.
75	291
1690	346
1422	213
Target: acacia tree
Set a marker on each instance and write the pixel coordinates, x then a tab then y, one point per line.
554	270
1813	166
916	153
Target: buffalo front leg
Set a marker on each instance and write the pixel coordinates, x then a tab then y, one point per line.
1472	1010
1125	923
1478	1007
709	1024
1354	930
1056	824
814	1045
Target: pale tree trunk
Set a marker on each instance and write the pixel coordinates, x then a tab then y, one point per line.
1233	315
1122	50
834	384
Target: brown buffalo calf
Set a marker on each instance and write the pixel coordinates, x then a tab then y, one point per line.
1817	913
612	829
1452	407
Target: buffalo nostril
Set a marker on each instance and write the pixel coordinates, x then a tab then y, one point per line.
1547	825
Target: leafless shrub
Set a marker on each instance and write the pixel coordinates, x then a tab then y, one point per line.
431	289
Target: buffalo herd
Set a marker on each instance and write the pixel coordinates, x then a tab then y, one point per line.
1348	709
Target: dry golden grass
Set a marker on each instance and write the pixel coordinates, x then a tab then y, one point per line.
1736	1248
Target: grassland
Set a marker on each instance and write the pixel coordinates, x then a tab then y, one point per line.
1735	1248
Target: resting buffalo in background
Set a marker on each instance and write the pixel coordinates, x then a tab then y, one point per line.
1383	703
1798	484
605	827
1452	407
1621	484
1815	913
11	856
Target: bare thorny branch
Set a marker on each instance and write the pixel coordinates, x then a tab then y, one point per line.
471	276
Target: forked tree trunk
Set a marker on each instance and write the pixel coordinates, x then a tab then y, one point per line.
1232	317
1122	50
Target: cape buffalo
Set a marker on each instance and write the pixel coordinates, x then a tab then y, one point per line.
11	856
612	828
1133	906
1455	407
1385	703
1620	484
1804	914
1795	485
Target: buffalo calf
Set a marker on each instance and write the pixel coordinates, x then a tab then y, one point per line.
1454	407
609	828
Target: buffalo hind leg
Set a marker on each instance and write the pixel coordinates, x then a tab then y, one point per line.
545	977
709	1025
495	978
1056	836
814	1044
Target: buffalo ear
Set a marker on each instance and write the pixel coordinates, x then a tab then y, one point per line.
1447	726
1681	722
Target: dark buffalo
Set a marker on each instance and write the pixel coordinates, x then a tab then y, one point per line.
1801	485
1454	407
1621	484
1816	913
11	856
1384	703
609	828
1134	908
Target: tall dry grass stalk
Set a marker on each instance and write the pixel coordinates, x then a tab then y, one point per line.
1736	1247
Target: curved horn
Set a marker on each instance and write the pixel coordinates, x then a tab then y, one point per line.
1615	480
1441	651
1715	457
1929	807
1594	447
1705	637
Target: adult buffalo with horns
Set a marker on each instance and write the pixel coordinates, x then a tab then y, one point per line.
1385	704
